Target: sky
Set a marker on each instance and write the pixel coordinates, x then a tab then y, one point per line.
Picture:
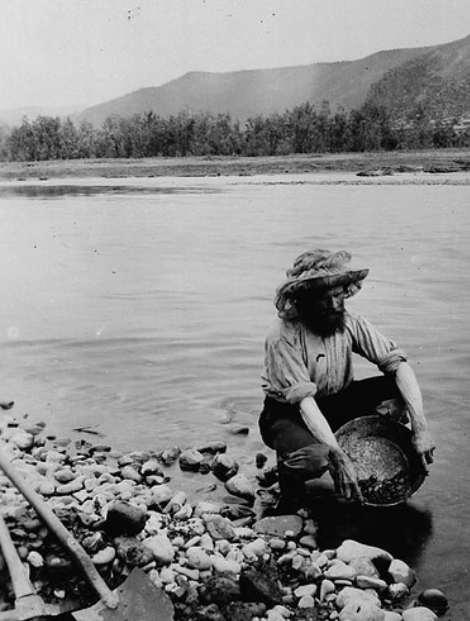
77	53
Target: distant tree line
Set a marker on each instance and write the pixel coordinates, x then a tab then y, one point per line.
304	129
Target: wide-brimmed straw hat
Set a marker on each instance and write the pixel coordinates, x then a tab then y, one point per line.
318	270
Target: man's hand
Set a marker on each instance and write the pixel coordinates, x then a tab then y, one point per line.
344	476
424	445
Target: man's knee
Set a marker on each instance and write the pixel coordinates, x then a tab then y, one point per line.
308	462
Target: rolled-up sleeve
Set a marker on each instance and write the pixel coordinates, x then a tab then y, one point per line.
377	348
286	376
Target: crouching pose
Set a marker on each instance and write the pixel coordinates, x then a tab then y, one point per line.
308	379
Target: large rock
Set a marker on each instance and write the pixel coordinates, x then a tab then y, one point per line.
399	571
350	550
240	486
161	547
191	460
224	467
218	527
260	586
280	526
123	518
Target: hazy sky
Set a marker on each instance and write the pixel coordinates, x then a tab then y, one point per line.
81	52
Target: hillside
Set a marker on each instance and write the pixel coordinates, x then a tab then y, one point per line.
247	93
438	82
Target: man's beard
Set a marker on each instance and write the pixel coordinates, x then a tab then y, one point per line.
325	324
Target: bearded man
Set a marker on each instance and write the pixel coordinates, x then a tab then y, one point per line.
308	381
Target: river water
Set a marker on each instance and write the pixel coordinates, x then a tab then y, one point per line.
139	310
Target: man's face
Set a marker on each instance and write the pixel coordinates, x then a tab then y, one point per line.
323	312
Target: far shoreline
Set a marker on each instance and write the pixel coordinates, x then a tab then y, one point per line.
371	165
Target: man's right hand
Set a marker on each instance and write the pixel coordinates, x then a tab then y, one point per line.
344	476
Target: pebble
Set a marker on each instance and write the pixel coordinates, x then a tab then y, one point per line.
104	556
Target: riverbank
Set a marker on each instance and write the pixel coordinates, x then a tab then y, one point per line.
203	559
433	161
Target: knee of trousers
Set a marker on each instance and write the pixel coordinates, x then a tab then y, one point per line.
308	462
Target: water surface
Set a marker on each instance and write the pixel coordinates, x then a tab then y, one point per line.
143	312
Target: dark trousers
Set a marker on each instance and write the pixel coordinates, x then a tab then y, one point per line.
283	429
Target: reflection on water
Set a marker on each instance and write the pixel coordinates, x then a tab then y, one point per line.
145	312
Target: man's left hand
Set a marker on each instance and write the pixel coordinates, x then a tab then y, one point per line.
425	446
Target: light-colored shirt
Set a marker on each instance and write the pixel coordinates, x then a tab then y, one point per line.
299	363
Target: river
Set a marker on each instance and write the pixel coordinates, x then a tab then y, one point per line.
139	310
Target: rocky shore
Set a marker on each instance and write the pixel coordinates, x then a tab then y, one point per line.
209	560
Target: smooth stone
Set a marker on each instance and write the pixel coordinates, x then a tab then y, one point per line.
70	488
46	488
279	526
390	615
124	518
255	549
177	501
129	472
351	549
23	440
151	467
35	559
338	570
170	455
224	467
361	611
349	594
218	527
161	495
104	556
191	460
420	613
240	486
161	547
133	552
398	590
306	589
308	541
225	566
364	567
369	582
326	587
213	448
434	599
198	558
204	506
399	571
306	602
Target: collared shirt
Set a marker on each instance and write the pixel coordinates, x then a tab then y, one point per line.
299	363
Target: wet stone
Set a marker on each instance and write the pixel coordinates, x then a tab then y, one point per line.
220	590
278	526
191	460
124	518
224	467
218	527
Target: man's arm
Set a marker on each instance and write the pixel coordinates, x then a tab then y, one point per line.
409	389
343	471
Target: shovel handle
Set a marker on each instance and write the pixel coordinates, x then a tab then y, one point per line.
109	599
21	583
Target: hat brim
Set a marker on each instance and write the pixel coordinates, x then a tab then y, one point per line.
351	280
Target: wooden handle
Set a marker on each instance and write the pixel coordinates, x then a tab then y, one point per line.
21	583
109	599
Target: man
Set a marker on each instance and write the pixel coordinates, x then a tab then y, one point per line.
308	378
